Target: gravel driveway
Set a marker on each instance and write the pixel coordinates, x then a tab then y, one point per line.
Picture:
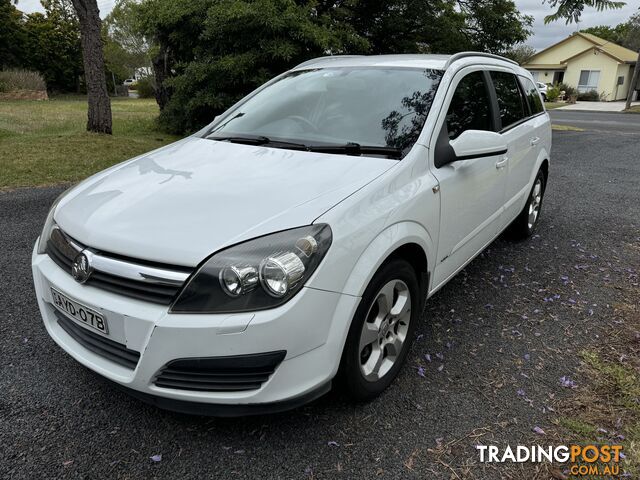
485	367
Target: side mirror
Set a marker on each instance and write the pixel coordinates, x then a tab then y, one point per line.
478	143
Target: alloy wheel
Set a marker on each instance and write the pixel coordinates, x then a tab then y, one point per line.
535	203
385	330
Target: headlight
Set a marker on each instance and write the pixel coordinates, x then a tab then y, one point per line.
48	225
259	274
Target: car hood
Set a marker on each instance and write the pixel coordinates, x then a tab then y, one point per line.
179	204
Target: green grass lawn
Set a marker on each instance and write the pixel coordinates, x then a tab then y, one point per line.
552	105
46	142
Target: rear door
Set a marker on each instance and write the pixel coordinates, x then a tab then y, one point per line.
515	128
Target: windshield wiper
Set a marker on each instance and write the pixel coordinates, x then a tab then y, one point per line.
258	140
350	148
353	148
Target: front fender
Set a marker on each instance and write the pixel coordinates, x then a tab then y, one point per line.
389	240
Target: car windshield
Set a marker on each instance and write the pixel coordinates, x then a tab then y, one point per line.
383	108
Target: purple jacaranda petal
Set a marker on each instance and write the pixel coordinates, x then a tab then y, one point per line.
536	310
419	337
440	368
421	371
427	357
622	455
333	443
601	430
448	344
590	311
308	471
520	392
566	382
440	356
156	458
527	357
539	431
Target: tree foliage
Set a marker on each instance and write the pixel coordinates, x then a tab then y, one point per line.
12	36
52	45
521	53
571	10
626	34
207	54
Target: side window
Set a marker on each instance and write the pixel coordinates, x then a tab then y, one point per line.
533	97
470	106
510	101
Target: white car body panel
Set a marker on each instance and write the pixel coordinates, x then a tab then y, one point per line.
163	206
179	204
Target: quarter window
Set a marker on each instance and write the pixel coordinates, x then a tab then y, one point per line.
470	106
510	101
533	97
588	80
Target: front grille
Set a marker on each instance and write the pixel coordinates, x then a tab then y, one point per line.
63	250
220	374
114	351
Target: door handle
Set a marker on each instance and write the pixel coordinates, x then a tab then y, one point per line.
502	163
534	141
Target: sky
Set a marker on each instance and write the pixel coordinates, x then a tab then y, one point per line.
543	35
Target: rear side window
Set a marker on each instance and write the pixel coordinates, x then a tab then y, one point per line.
470	106
510	100
533	97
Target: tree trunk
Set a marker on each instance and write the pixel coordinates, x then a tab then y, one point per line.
634	83
161	73
99	116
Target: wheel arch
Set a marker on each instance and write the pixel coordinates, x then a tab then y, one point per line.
407	240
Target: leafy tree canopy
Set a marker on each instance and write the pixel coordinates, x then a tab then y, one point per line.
12	35
207	54
52	45
571	10
521	53
626	34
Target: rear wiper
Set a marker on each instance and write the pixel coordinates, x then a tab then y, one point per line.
353	148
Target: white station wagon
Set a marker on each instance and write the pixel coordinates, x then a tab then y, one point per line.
290	244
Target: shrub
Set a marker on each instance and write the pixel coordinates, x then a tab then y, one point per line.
21	80
591	96
552	94
568	89
145	88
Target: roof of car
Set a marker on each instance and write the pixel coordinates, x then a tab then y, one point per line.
439	62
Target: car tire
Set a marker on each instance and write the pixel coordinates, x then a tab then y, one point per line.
381	332
526	222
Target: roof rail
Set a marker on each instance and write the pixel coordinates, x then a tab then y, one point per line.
458	56
327	57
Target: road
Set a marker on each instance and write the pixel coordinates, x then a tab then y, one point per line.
598	121
500	335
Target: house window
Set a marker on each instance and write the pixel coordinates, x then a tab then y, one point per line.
535	75
588	80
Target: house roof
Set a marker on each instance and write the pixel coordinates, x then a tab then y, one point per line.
545	66
613	50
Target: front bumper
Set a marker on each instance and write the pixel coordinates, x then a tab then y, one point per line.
312	328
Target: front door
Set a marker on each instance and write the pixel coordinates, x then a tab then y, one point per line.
472	190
